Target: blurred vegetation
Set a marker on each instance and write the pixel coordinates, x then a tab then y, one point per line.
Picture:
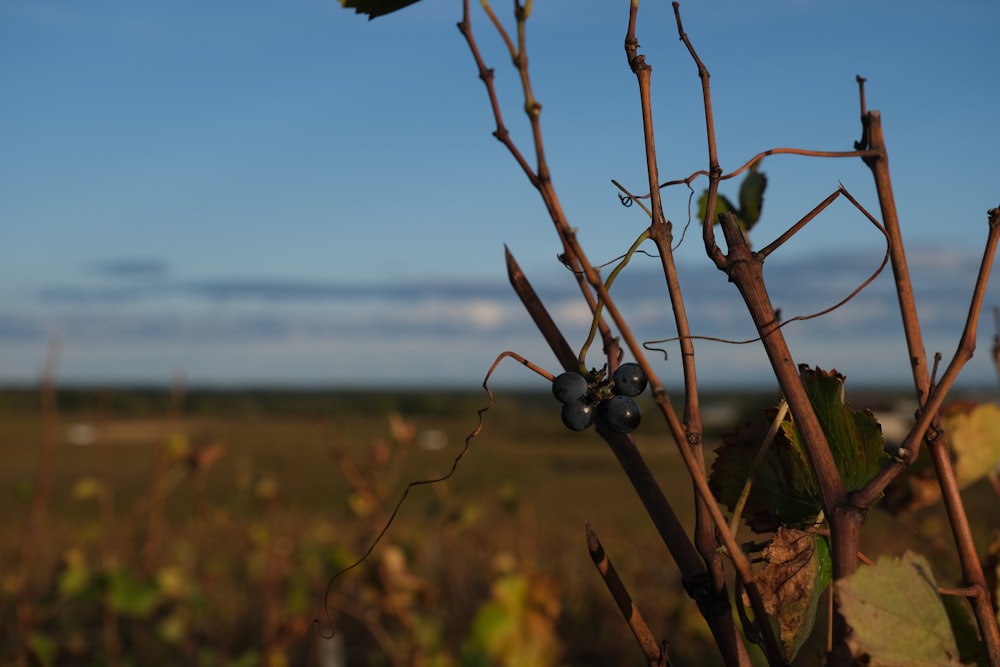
203	529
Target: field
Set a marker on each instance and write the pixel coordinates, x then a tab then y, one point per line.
145	528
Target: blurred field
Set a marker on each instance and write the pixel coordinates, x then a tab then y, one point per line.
204	531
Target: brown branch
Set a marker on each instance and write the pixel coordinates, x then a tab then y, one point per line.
655	656
643	481
35	555
874	139
995	348
486	76
760	156
661	232
694	467
794	229
745	270
694	575
666	522
793	151
540	178
879	165
797	318
928	414
757	158
714	170
536	309
863	144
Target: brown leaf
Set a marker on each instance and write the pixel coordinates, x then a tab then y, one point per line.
798	570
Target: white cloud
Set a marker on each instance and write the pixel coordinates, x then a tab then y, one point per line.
440	332
484	314
572	313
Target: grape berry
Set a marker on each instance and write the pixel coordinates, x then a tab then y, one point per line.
569	387
585	400
629	380
620	414
577	416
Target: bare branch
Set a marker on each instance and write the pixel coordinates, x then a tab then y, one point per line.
536	309
486	75
661	233
655	657
874	139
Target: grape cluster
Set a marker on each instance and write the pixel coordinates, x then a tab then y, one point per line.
612	401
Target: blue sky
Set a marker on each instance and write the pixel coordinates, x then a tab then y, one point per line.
285	193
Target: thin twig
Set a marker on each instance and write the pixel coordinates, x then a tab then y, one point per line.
427	482
595	324
539	177
592	277
765	446
655	657
714	170
745	270
35	556
995	348
661	232
804	152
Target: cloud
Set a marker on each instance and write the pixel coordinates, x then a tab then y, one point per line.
98	294
135	268
447	330
297	290
265	290
19	328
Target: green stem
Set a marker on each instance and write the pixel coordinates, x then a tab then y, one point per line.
599	309
734	522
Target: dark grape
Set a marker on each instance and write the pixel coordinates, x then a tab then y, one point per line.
577	416
569	387
629	380
620	414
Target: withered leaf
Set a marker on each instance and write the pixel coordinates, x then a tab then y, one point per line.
798	570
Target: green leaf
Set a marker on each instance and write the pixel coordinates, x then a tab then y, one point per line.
249	658
498	622
518	625
855	438
722	205
798	570
752	197
131	597
87	488
785	490
963	625
751	200
43	649
75	575
895	614
376	8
